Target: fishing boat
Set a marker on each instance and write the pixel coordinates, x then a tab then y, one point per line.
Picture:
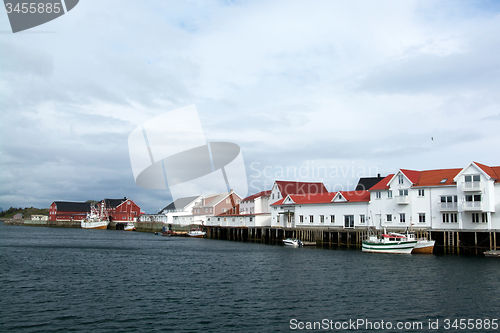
94	220
389	243
292	242
424	245
197	232
129	226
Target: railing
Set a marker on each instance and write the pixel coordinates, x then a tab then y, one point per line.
471	186
403	199
448	206
473	206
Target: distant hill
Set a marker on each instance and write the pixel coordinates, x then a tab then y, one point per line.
27	212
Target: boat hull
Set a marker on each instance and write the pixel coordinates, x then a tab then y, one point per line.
424	247
94	225
197	236
396	247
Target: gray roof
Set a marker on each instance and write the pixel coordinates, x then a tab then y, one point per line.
367	183
180	203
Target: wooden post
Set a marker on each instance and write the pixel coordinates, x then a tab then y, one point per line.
475	240
458	242
491	238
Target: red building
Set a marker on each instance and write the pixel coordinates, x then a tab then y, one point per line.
121	209
68	211
113	209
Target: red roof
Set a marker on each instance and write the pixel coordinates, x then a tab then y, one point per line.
412	175
437	177
356	196
288	187
493	172
258	195
383	184
323	198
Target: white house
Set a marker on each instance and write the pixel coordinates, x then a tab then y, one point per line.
445	199
344	209
181	210
256	204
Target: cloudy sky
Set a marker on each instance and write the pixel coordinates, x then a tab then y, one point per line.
309	90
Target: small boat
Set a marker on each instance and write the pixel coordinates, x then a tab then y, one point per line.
389	243
292	242
424	245
197	232
129	226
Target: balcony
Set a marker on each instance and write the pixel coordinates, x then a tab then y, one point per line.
471	186
448	206
473	206
403	200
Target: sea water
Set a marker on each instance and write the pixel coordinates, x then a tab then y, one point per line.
75	280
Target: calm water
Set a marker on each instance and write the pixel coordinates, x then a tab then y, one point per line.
73	280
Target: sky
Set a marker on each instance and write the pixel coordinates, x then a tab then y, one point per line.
310	90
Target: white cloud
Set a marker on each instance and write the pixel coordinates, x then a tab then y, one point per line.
334	83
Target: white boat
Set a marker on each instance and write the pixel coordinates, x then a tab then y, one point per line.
292	242
389	243
197	232
424	245
94	220
129	226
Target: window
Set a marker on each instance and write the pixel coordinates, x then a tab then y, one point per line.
389	194
378	195
450	218
421	217
251	219
475	218
443	180
421	192
389	217
349	221
403	193
311	219
475	197
301	218
401	179
322	219
332	218
472	178
224	210
228	200
402	218
362	219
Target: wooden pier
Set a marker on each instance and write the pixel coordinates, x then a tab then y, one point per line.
447	242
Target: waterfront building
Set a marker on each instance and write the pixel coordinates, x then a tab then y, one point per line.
256	204
120	210
211	205
445	199
344	209
68	211
181	210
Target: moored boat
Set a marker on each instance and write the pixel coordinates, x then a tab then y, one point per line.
424	245
94	220
389	243
129	226
292	242
197	232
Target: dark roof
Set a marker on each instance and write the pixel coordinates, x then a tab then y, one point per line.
179	203
367	183
66	206
113	203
